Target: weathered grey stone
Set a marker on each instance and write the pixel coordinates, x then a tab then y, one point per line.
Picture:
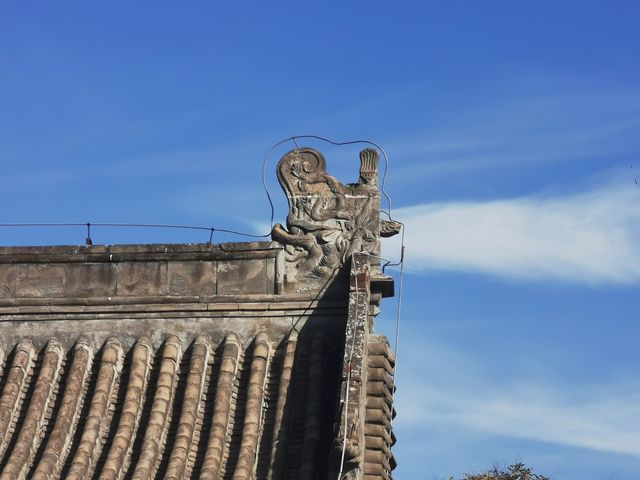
90	279
192	278
128	253
271	276
8	277
37	280
142	278
87	274
242	276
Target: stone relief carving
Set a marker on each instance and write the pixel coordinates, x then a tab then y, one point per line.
352	451
389	228
327	221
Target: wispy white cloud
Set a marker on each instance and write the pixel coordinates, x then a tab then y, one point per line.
590	237
608	423
518	130
456	391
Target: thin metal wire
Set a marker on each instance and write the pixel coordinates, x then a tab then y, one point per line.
391	263
401	248
232	232
134	225
43	224
332	142
396	341
386	260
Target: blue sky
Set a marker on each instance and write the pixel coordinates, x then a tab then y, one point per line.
512	131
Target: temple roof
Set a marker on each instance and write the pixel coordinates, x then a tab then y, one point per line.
252	360
183	409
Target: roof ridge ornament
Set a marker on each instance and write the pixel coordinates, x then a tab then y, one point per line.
327	220
369	166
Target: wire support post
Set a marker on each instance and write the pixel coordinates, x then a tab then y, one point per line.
210	242
88	240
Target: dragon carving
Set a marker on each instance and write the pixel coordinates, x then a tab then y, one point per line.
327	221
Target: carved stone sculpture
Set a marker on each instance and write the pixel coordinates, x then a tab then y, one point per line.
327	221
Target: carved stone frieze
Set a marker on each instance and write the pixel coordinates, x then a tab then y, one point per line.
327	220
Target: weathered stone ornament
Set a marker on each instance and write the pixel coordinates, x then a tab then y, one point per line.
327	221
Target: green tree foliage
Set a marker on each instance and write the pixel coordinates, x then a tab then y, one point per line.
517	471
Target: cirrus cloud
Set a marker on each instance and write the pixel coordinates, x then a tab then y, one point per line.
590	237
